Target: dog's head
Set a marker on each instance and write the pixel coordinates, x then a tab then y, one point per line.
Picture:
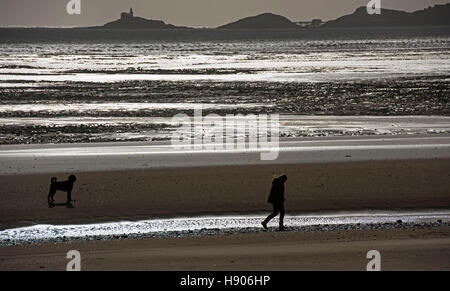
72	178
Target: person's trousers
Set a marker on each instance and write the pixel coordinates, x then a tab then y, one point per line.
277	208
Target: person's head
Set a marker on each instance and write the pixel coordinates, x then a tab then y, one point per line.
282	178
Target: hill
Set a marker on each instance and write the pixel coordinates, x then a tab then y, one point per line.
263	21
138	23
437	15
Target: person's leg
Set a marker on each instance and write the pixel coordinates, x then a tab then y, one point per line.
282	212
272	215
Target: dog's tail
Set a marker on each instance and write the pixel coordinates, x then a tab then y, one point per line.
53	180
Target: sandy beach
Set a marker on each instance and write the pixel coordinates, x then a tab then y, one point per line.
367	178
415	249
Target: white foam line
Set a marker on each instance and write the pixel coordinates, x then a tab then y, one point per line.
165	226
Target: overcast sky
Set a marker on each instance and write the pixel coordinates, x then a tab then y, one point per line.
195	13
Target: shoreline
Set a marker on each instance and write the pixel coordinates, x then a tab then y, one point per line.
221	225
92	130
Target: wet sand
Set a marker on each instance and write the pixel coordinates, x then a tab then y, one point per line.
412	249
144	194
361	183
98	157
74	112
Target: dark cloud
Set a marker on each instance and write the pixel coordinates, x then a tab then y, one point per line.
198	13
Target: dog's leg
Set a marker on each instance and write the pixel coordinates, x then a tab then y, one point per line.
69	196
51	193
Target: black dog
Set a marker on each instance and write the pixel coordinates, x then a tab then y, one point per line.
65	186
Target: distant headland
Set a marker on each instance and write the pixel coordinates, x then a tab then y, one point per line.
129	21
437	15
263	21
432	16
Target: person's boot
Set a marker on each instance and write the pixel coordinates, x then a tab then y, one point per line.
264	224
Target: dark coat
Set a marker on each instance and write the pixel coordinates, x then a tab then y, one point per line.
276	195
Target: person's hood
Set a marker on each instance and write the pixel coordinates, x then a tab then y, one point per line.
277	180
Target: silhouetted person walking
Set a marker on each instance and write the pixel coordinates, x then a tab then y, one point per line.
276	198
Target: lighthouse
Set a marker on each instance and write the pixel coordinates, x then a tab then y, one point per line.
125	15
